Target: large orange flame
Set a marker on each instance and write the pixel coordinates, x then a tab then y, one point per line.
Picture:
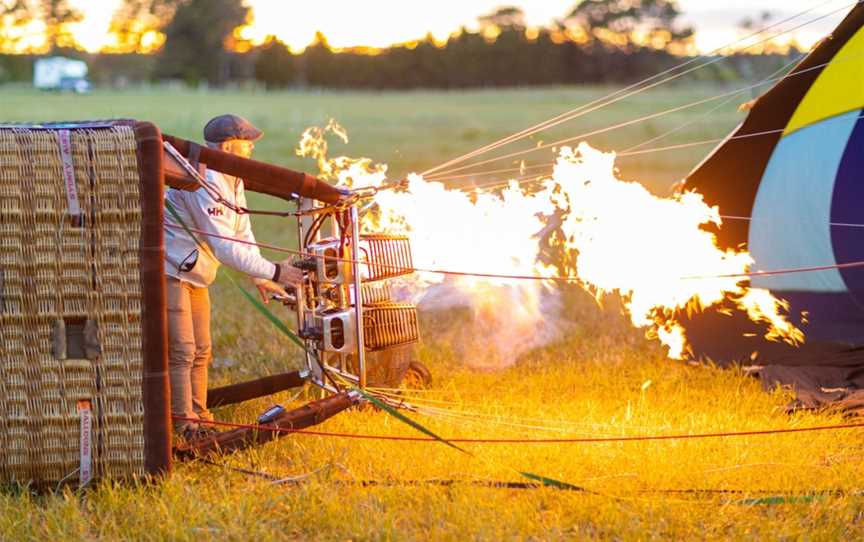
651	251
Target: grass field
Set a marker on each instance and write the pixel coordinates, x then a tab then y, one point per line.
601	379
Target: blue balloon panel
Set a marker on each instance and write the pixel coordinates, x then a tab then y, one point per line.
790	226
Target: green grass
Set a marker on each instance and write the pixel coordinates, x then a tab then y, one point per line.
602	378
411	131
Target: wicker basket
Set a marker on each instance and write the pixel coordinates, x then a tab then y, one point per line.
82	334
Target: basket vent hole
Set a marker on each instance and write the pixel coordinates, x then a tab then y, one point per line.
76	338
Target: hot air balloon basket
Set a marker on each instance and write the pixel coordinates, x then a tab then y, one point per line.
74	345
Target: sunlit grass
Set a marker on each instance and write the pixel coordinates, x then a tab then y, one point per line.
586	385
601	378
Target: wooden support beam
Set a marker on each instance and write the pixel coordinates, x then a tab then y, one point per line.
245	391
241	438
259	176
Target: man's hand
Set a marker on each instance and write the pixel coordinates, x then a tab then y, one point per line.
289	275
268	288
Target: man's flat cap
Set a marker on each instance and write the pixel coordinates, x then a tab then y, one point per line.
225	127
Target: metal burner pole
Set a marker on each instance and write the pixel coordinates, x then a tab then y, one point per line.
304	223
358	296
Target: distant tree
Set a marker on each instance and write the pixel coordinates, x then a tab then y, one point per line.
135	20
465	58
15	13
625	23
195	40
504	18
317	64
763	41
748	24
55	14
430	64
549	60
508	59
274	65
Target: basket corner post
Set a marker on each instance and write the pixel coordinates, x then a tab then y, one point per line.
156	390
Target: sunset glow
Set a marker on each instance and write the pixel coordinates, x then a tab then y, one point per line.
92	33
379	23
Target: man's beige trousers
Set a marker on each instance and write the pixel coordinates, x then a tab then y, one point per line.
189	350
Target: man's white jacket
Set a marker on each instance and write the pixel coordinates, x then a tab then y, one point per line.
184	259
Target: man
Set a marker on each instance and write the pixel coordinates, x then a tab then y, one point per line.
191	268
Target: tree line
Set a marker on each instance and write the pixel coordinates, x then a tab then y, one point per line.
597	41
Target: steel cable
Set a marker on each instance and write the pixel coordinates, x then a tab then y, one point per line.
563	279
563	440
629	91
648	117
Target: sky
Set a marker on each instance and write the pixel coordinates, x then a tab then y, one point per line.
379	23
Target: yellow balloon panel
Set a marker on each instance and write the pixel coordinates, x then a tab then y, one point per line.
838	89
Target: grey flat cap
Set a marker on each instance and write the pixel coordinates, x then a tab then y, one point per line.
225	127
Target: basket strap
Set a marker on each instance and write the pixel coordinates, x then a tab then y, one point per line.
64	139
85	469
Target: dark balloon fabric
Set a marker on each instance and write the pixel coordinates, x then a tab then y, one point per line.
804	190
847	207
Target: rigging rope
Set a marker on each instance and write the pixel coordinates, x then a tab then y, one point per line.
563	279
629	91
624	154
775	74
769	497
485	420
213	192
494	418
563	440
835	224
652	116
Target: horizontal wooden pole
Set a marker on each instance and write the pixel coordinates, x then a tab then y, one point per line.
245	437
262	387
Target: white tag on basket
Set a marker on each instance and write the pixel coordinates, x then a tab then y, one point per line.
85	472
64	138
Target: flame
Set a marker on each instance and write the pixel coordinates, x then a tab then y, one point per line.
652	251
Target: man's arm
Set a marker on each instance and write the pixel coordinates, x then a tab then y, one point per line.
266	287
215	219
